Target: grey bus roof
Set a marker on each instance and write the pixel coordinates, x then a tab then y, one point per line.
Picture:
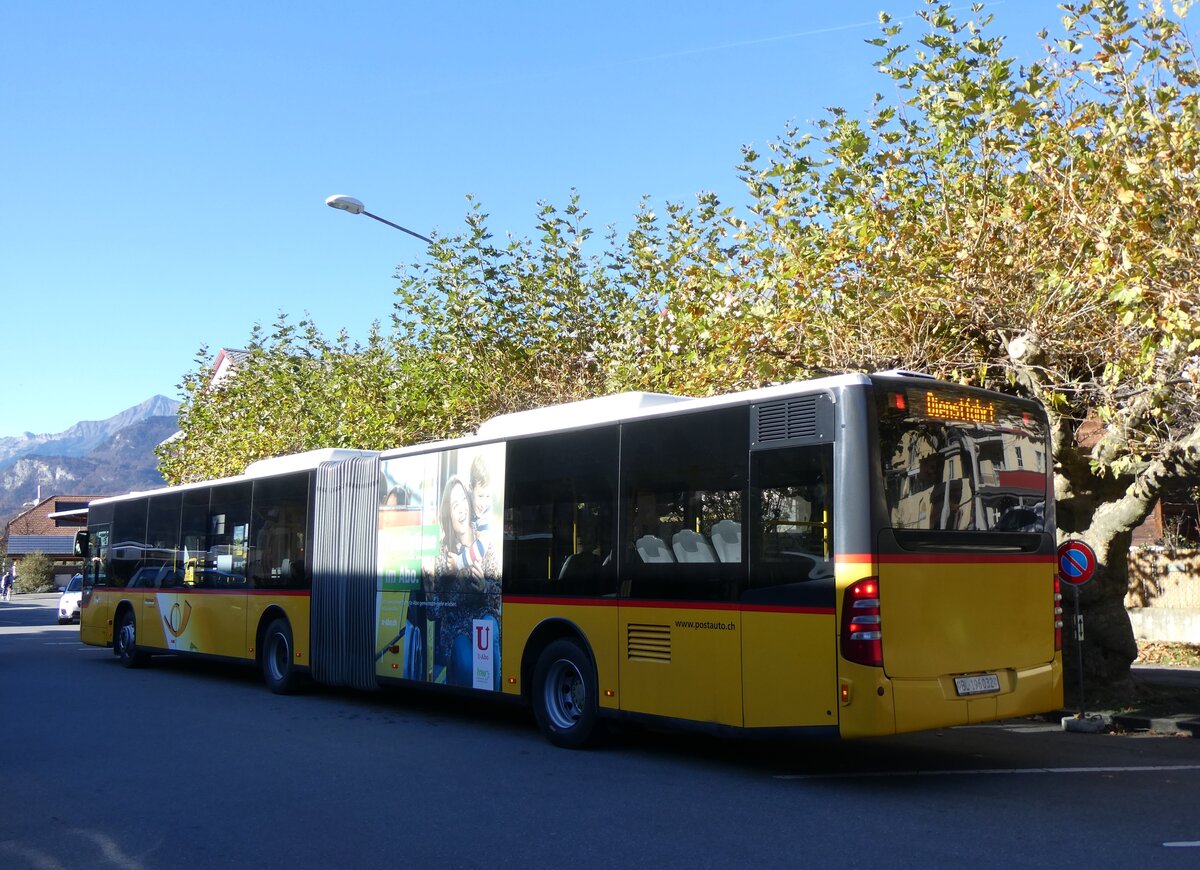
262	468
302	461
580	413
623	407
616	408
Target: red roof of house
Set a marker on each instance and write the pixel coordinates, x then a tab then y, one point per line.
36	520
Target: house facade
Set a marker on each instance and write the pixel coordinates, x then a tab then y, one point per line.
49	528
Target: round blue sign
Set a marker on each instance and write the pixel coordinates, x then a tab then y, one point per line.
1076	563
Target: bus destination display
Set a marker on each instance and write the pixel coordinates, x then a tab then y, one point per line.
955	409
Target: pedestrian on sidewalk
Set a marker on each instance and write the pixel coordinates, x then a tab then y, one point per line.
6	584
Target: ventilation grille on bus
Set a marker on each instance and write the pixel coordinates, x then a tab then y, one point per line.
649	643
788	419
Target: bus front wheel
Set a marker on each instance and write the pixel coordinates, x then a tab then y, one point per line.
564	695
125	642
278	666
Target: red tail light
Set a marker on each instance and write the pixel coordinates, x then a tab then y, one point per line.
862	626
1058	614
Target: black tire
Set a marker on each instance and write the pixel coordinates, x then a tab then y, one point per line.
62	621
564	695
125	642
278	662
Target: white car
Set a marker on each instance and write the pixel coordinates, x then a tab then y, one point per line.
68	602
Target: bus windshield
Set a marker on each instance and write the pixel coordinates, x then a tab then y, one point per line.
957	460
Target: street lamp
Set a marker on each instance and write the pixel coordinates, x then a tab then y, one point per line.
354	206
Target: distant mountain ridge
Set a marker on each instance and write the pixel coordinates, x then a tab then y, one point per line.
93	457
84	436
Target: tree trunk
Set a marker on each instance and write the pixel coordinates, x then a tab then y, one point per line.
1108	645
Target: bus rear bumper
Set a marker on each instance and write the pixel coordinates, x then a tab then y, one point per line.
938	703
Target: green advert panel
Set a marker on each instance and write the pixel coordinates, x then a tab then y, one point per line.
440	567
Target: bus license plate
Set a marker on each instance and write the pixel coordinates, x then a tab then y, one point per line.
977	685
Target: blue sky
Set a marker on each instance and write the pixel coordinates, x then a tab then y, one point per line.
165	164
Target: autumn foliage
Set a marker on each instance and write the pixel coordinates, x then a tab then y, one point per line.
1032	229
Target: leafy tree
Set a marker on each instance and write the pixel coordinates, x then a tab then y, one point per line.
1033	230
478	330
297	390
36	574
504	328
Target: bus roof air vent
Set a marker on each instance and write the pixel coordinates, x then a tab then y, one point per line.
797	419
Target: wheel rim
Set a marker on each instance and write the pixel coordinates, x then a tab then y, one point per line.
564	694
126	637
278	657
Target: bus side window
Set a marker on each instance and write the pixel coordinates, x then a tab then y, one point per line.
96	568
228	535
683	505
559	513
128	541
791	490
162	534
193	536
278	532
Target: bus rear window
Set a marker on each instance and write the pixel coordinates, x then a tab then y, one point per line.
961	460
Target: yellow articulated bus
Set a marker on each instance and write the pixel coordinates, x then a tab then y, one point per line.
845	557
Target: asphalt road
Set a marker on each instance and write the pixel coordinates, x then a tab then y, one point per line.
190	765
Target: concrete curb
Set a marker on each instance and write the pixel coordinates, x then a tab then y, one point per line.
1179	725
1184	725
1166	675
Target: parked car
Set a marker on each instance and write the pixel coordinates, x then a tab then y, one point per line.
68	602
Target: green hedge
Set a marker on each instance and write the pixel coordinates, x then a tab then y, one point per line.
35	574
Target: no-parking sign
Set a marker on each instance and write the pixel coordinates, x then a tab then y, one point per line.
1076	563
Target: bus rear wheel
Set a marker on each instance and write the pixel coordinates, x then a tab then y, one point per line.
278	665
564	695
125	642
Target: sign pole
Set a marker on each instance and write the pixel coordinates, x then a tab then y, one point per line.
1076	566
1079	646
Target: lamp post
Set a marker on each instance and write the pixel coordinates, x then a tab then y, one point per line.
354	206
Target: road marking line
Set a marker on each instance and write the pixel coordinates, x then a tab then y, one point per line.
991	772
1183	844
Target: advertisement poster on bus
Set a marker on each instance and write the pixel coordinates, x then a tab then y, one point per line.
440	567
